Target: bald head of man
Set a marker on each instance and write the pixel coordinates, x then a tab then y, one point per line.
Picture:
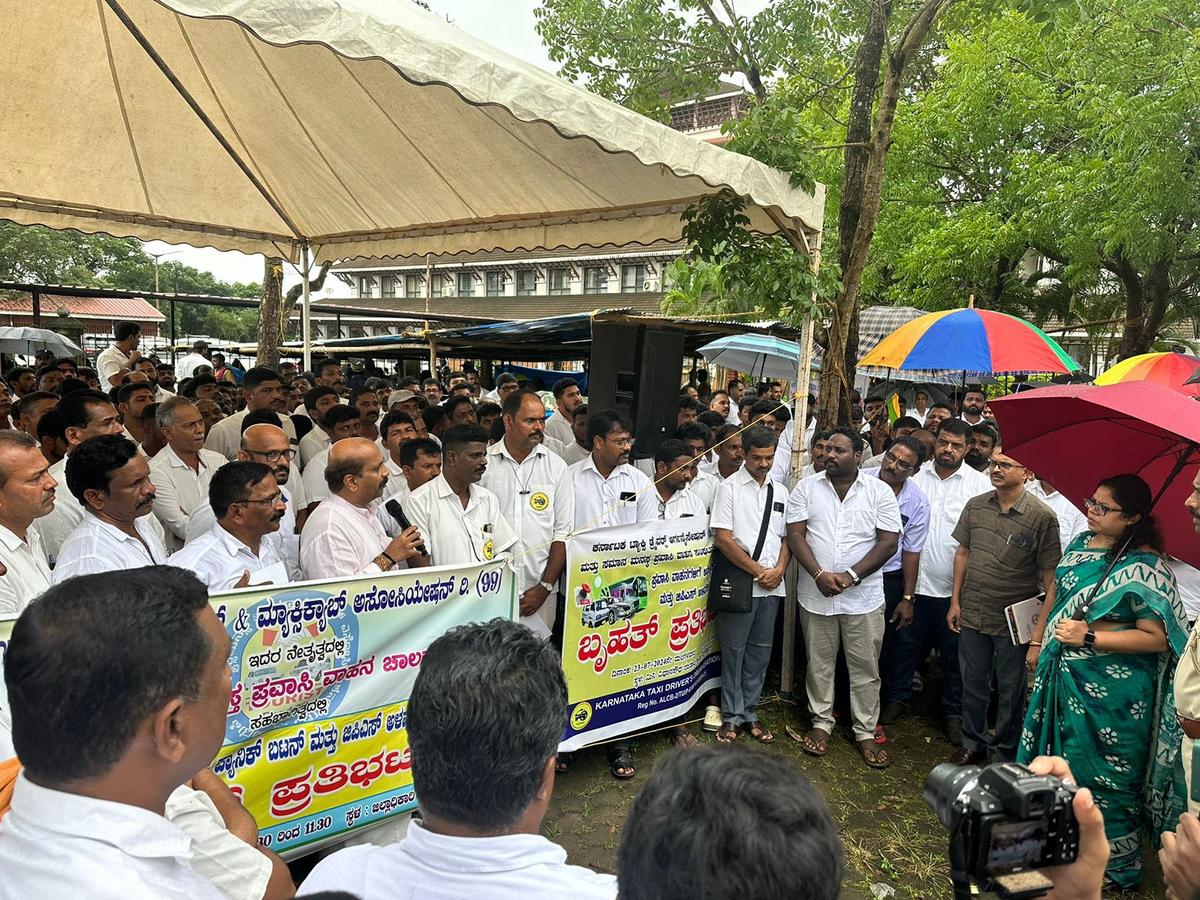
269	445
356	471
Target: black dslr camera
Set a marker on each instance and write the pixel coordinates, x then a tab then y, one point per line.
1005	823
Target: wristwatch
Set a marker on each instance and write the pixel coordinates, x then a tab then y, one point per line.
1089	638
549	588
908	597
853	576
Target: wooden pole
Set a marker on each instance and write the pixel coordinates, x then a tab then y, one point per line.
305	309
799	427
428	298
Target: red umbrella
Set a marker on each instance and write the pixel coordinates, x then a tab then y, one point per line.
1075	436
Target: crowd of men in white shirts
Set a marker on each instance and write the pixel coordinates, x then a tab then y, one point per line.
391	475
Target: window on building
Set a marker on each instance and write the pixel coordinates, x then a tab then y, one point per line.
366	284
526	282
466	284
633	279
438	284
388	285
495	284
595	280
560	281
414	285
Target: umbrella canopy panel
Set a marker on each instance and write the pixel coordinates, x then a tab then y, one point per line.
21	339
363	127
1074	436
762	356
1170	369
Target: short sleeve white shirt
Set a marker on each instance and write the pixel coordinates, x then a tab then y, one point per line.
625	497
285	541
236	869
340	540
947	497
54	845
313	443
111	360
179	490
226	436
454	535
95	546
684	504
57	525
438	867
219	559
738	507
28	571
559	427
841	531
538	502
704	487
1071	522
313	478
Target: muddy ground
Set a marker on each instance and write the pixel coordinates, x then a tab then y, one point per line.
891	837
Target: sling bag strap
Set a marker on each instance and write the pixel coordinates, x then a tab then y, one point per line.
766	519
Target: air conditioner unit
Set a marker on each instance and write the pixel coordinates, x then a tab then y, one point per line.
650	285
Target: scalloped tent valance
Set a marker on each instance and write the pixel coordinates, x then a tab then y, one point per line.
358	127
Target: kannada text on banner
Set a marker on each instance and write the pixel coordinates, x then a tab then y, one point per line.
639	643
315	741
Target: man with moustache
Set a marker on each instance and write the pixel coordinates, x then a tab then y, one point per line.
111	481
27	491
536	500
462	522
567	396
938	413
984	439
182	470
728	454
974	400
263	389
948	484
344	536
843	527
1008	548
235	553
1187	688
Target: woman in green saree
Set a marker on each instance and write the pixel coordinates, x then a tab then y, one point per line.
1102	693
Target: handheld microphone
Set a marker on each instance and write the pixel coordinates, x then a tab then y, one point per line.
396	511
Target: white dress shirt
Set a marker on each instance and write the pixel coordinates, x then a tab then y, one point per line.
573	453
598	500
57	525
285	540
179	490
28	571
454	535
55	845
738	508
187	365
226	436
341	540
161	393
1187	582
559	427
704	486
947	497
684	504
313	443
236	869
1071	522
112	359
840	533
95	546
219	559
396	489
313	478
536	499
438	867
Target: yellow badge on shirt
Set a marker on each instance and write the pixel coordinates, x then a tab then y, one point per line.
489	549
539	501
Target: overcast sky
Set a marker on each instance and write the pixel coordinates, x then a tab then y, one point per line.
506	24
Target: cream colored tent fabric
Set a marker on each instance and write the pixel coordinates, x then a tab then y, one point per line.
363	127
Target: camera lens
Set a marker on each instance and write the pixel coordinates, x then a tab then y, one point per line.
944	785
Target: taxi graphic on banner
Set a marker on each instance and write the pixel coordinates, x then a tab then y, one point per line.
639	643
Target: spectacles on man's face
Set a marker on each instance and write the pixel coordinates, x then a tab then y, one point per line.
897	462
1100	509
274	455
265	501
1004	467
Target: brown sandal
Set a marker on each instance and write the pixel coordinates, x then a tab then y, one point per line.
728	733
874	756
760	734
815	743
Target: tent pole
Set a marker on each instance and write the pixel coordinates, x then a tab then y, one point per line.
799	427
306	310
428	298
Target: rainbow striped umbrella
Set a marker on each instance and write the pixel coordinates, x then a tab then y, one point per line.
1170	369
971	340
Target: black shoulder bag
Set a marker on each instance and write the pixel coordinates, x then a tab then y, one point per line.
732	587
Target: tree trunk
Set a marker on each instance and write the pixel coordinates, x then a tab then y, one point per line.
270	319
837	374
1145	304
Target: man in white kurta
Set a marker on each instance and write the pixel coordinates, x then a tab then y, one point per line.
182	470
27	492
537	500
263	389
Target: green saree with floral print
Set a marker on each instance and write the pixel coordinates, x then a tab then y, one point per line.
1112	715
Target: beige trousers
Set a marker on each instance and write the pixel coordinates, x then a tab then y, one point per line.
860	638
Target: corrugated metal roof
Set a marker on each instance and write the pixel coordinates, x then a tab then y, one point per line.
131	309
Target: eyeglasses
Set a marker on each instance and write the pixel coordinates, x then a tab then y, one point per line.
1100	509
621	442
897	462
266	501
274	455
1004	466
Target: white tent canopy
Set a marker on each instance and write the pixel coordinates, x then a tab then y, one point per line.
354	127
